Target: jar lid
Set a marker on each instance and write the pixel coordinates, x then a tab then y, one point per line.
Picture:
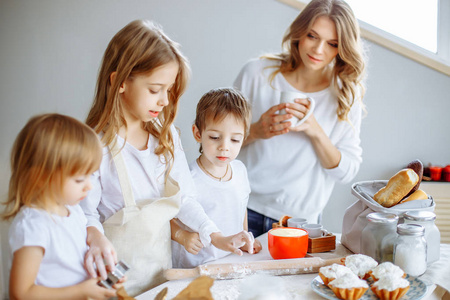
410	229
420	215
378	217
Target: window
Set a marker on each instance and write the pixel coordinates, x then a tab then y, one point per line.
418	29
411	20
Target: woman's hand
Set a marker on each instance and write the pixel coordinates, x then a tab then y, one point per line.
269	124
299	109
233	243
100	251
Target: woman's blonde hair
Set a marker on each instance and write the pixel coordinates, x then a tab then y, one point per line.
219	103
47	151
138	48
349	64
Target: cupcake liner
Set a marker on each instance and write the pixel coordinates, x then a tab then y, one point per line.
389	295
326	280
349	294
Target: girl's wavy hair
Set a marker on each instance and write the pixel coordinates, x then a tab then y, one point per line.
349	64
218	103
138	48
48	150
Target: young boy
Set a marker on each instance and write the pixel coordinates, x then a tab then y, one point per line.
221	125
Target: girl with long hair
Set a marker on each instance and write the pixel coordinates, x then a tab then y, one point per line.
143	181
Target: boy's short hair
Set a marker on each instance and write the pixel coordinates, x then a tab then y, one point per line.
219	103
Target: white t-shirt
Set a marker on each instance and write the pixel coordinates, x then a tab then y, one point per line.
146	173
285	173
63	239
225	203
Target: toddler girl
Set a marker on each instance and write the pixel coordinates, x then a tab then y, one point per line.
51	163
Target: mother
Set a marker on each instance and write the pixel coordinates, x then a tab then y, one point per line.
292	170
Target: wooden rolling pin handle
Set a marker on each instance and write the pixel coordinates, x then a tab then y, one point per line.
175	274
238	270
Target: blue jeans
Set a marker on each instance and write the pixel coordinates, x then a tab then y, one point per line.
258	223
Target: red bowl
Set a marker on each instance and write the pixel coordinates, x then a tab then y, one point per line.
288	242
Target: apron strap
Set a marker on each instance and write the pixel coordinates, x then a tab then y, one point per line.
122	173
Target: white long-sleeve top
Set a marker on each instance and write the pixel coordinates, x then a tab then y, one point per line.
286	176
146	173
225	203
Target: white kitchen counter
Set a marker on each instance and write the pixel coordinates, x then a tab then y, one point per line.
297	286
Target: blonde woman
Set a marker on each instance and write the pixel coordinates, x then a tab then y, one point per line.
143	181
292	170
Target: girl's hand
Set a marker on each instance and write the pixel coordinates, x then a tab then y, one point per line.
100	250
257	247
270	123
91	290
233	243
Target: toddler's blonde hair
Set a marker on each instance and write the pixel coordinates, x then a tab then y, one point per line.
47	151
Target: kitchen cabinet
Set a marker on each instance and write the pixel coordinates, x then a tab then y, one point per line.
440	191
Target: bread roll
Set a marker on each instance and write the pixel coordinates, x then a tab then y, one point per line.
417	166
417	195
283	220
397	187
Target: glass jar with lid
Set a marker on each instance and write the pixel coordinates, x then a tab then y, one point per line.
377	238
432	234
410	249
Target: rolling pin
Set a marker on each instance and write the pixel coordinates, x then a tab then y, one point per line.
239	270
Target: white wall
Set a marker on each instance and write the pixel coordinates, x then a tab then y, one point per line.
50	52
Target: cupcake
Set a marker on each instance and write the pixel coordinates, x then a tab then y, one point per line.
390	287
360	264
348	287
330	273
387	269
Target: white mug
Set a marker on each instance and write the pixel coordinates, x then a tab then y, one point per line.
296	222
289	97
314	230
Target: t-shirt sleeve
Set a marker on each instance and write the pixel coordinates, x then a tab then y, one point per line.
30	230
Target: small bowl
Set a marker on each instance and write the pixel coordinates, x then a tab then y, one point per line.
288	242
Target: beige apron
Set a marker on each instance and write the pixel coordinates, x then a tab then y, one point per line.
140	232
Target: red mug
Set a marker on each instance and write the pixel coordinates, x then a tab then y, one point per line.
435	172
446	173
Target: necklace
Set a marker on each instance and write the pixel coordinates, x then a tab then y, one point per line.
215	177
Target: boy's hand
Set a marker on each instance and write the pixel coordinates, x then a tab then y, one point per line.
256	247
191	241
233	243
